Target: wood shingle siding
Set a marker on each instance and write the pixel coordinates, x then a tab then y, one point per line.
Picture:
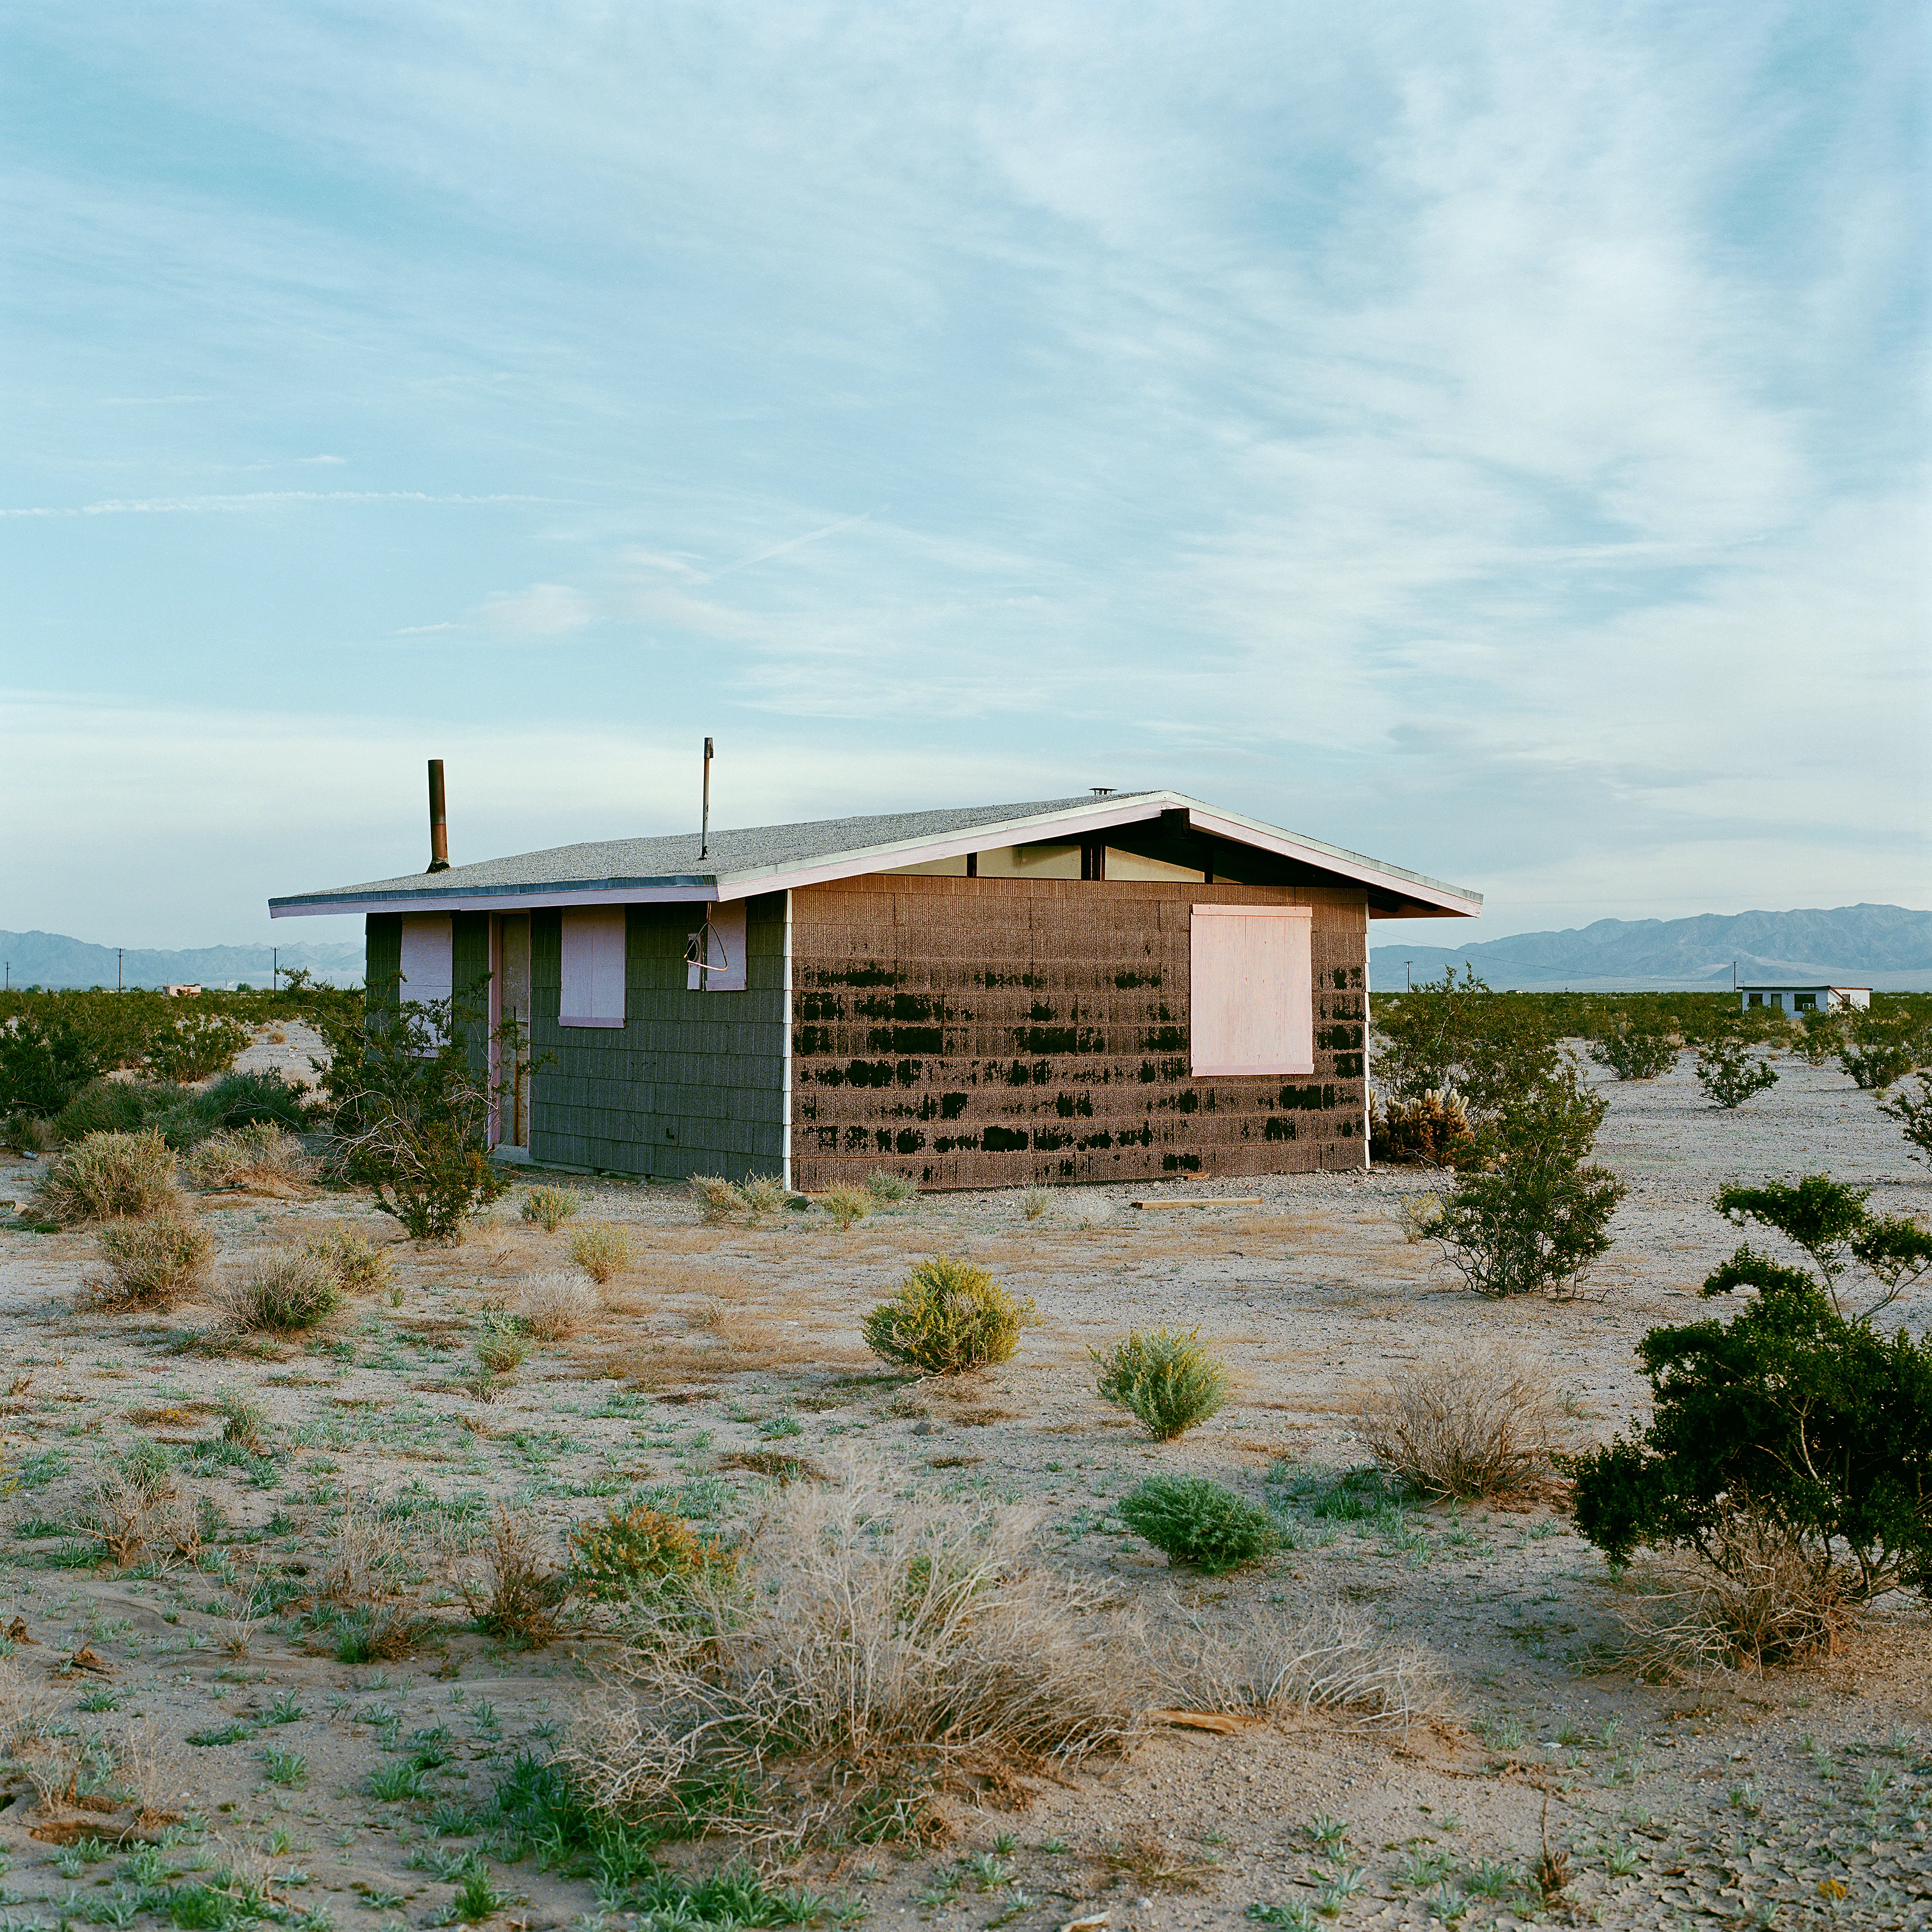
975	1032
691	1083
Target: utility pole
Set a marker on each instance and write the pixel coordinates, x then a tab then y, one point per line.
1407	987
117	968
275	969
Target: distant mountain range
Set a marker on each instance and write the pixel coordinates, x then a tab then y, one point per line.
1884	946
53	959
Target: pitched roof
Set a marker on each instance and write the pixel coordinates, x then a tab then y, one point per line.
770	858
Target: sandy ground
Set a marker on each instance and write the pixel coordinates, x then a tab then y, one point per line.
1800	1797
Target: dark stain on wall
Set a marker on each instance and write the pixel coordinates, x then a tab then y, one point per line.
975	1032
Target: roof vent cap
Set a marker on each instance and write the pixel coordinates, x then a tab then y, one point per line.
1102	791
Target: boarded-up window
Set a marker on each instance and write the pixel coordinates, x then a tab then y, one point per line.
1251	1006
720	946
593	968
427	969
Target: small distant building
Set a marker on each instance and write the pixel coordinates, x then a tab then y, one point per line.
1804	999
181	992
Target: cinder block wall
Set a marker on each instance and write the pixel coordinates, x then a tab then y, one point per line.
978	1032
691	1083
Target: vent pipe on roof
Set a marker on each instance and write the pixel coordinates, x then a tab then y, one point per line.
439	823
704	824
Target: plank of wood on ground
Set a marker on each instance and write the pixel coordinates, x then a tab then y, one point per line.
1205	1200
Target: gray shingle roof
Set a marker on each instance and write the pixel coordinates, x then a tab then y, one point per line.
672	868
617	862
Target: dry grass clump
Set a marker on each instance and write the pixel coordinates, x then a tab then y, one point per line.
362	1592
152	1263
946	1315
1168	1381
888	1190
1475	1423
557	1304
359	1266
550	1208
757	1196
1269	1659
602	1250
261	1157
520	1594
1762	1595
1035	1201
878	1649
846	1204
137	1508
284	1291
108	1177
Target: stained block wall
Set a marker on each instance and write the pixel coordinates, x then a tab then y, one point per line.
691	1083
975	1032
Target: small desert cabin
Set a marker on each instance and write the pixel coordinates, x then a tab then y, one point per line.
1118	987
1804	999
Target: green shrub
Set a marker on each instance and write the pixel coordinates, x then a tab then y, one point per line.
118	1107
108	1176
629	1552
282	1292
1808	1425
1197	1524
1730	1076
1455	1036
1830	1222
1529	1217
550	1208
243	1099
152	1263
194	1045
888	1189
1914	1114
410	1113
1168	1381
42	1066
501	1345
1635	1052
602	1250
946	1315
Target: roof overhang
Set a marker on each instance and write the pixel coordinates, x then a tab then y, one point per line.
1395	893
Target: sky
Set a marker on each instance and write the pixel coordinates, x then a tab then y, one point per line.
1492	437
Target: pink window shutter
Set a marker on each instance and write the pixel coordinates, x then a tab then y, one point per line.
1251	1007
593	968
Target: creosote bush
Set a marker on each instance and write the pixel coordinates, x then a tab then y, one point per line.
1528	1216
1168	1381
1466	1425
359	1266
1636	1052
1913	1113
1798	1421
151	1263
946	1315
1198	1524
195	1045
282	1292
557	1304
109	1176
639	1552
550	1208
1728	1074
602	1249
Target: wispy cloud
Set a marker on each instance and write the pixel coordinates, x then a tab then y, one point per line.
1489	435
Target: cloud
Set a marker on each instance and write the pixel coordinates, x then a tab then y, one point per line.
542	612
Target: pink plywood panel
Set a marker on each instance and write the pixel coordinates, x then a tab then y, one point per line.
593	968
428	967
1251	1005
